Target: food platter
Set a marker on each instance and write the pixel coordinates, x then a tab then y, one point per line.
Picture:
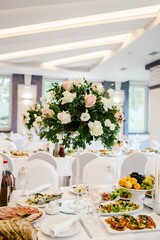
29	213
35	200
111	230
118	208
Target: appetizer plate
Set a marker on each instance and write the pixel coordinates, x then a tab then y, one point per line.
120	212
155	217
72	189
53	222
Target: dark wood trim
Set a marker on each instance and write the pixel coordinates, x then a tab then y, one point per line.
153	64
154	87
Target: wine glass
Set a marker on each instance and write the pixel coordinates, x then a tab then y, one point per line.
94	194
111	175
23	177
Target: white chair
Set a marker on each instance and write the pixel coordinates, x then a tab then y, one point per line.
40	173
95	171
7	145
11	164
45	157
85	158
135	162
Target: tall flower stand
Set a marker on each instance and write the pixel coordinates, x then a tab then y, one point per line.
77	204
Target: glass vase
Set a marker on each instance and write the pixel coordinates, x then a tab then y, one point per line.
78	204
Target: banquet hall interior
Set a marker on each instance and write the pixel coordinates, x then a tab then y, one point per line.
79	113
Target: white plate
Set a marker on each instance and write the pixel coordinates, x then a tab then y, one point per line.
135	191
148	202
54	221
155	217
120	213
22	201
72	190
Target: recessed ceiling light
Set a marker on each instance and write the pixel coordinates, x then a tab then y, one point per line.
153	53
124	15
123	69
66	47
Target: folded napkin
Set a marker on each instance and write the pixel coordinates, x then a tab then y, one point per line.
37	189
62	227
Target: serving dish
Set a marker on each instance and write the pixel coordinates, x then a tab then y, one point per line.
126	230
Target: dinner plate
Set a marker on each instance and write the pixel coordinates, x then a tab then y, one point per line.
52	222
155	217
120	212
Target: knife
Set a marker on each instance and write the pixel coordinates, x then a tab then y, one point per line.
85	228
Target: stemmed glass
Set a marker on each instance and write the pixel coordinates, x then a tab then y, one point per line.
23	177
111	175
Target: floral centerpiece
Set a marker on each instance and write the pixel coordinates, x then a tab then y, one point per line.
78	113
32	117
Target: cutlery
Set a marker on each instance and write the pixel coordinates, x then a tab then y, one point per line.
85	228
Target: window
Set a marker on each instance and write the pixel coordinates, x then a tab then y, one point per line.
138	108
47	84
5	103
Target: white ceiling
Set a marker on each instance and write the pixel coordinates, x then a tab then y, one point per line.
94	62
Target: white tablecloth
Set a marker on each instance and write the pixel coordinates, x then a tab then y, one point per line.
104	233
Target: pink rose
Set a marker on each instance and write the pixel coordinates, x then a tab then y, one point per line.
90	100
67	85
119	116
47	112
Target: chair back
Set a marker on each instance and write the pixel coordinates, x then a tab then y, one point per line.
45	157
42	172
95	171
135	162
85	158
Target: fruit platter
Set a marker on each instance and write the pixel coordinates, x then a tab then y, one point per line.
138	185
137	181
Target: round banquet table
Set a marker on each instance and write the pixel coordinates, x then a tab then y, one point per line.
82	234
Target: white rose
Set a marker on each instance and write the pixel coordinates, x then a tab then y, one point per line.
107	103
95	128
107	123
98	87
79	82
112	127
38	119
35	125
85	117
68	97
59	136
64	117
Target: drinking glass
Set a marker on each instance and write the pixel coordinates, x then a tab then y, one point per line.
23	177
111	175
